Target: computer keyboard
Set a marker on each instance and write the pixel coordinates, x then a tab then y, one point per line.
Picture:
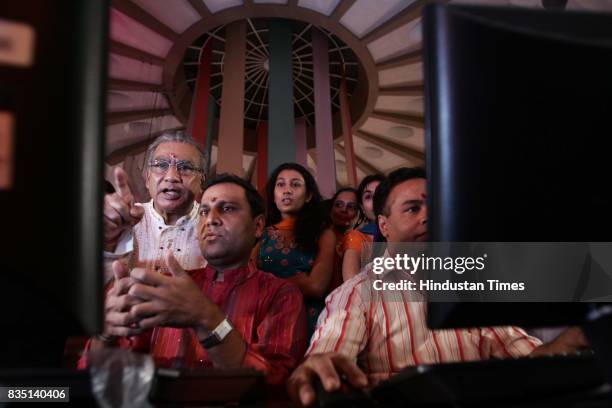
555	381
209	386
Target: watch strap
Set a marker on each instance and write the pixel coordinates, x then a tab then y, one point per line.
218	334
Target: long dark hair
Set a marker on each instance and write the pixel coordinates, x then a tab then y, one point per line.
364	183
308	223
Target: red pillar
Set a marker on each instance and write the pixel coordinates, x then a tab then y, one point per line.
198	120
347	131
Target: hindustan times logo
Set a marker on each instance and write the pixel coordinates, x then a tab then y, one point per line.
411	264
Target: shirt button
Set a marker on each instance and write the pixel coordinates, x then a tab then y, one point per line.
178	249
159	227
161	247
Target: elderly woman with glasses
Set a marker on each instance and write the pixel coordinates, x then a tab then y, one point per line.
355	245
344	215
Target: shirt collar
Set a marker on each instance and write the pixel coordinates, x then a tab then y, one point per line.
369	228
231	276
191	215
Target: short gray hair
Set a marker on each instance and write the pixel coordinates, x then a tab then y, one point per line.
178	137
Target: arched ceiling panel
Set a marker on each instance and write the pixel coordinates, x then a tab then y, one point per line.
401	75
368	152
404	135
134	100
218	5
270	1
121	67
365	15
325	7
130	32
400	104
125	134
341	173
183	15
403	40
390	135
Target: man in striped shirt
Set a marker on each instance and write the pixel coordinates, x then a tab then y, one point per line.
368	335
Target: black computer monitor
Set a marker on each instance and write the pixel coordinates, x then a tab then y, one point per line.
52	107
519	108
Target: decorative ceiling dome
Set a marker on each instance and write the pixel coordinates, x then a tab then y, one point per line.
156	44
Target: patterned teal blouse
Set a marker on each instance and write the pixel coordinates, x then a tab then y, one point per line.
282	257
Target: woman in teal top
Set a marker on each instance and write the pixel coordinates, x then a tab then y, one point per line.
294	245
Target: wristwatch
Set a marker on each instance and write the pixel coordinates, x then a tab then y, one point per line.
218	334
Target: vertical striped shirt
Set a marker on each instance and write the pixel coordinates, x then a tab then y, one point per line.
385	331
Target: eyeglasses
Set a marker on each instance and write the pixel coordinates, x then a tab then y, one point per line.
350	205
183	167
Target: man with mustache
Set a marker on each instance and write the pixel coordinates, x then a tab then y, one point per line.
228	314
368	335
143	232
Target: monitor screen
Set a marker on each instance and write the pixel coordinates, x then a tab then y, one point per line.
52	107
518	103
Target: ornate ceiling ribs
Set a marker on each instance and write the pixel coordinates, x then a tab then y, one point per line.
114	84
412	57
201	8
172	62
402	18
400	119
341	9
409	90
129	116
134	53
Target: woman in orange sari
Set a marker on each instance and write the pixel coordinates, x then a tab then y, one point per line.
356	240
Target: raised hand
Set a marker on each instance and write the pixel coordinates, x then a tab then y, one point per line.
174	301
120	213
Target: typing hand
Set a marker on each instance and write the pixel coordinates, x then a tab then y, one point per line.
120	213
327	367
570	340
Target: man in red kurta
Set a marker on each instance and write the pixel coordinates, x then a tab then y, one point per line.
227	315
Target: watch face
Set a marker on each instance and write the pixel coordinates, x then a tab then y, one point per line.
218	334
223	329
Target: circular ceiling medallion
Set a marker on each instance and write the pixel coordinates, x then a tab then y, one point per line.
138	127
373	152
116	98
400	132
